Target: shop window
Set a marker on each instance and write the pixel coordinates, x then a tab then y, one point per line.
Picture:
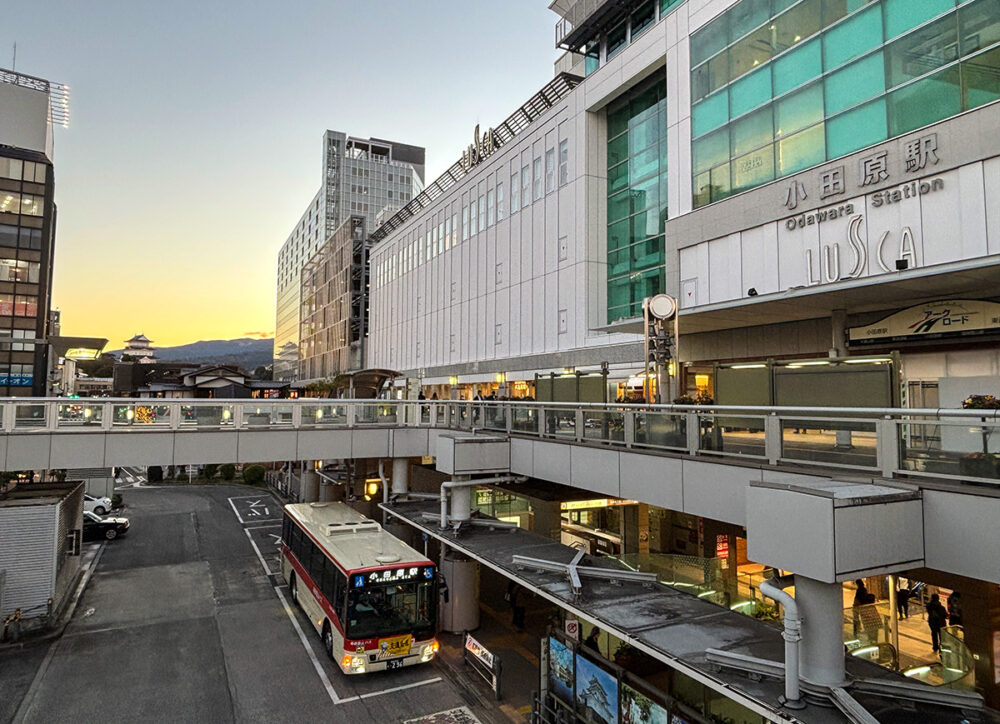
925	101
749	92
981	79
903	15
922	51
854	84
799	110
798	67
801	150
852	38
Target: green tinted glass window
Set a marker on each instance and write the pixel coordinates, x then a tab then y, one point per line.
618	120
617	178
852	38
666	5
710	76
925	101
721	184
710	40
752	131
618	292
618	262
644	131
750	91
981	79
647	254
749	52
834	10
644	164
617	38
801	150
710	113
856	83
923	50
903	15
856	129
801	109
617	149
619	206
979	24
753	169
796	25
747	15
646	195
798	67
643	17
619	235
710	150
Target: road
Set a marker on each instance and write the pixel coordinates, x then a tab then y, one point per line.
187	619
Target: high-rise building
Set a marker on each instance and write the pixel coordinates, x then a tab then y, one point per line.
28	108
360	177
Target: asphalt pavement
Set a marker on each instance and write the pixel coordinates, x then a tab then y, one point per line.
186	618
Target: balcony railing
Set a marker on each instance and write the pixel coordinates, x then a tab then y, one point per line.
949	444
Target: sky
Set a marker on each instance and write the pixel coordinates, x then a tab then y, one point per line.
195	139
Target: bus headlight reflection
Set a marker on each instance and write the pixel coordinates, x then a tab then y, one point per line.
429	650
354	663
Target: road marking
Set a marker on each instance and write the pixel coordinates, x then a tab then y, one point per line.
276	524
238	516
244	497
394	689
312	655
256	550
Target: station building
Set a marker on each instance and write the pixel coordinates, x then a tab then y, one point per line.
817	183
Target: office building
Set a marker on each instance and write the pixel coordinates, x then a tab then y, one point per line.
360	177
28	108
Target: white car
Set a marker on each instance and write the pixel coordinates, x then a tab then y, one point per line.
98	506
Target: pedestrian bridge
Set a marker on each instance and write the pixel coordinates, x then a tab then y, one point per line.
929	478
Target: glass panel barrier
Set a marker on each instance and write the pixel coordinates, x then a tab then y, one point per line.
80	414
495	417
731	434
27	416
847	443
525	420
969	448
601	425
375	413
265	415
201	415
140	415
320	415
659	429
560	423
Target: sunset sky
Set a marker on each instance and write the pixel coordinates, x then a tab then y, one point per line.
196	132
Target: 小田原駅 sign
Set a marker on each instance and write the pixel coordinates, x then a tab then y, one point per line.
948	318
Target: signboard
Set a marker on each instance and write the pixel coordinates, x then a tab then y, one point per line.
392	575
637	707
596	692
572	628
16	380
479	651
562	673
934	320
596	503
483	662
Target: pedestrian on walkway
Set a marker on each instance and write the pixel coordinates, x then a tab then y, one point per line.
903	602
592	641
937	617
517	612
955	609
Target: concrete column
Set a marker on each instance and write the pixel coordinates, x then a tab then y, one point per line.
400	476
547	518
461	501
308	484
821	652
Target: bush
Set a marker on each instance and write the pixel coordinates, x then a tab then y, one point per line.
208	472
227	471
154	474
253	474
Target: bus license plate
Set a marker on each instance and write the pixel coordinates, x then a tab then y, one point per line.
393	664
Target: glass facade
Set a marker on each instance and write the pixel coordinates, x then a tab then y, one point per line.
781	85
637	197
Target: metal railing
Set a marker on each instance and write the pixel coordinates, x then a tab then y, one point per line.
938	443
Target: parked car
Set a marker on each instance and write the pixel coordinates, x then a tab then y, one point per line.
95	527
98	506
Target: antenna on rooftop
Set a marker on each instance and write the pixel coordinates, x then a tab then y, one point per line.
13	65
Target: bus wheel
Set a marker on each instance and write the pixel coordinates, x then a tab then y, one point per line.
293	589
328	639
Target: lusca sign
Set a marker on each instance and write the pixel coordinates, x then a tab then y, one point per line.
480	149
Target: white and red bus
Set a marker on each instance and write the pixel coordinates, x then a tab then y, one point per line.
371	597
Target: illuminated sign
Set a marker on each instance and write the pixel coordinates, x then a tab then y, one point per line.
949	318
392	575
82	353
598	503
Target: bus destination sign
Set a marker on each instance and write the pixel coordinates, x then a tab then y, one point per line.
392	575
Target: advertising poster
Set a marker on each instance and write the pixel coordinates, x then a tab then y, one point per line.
560	671
637	708
596	693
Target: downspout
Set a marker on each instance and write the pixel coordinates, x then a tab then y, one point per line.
451	484
385	489
792	634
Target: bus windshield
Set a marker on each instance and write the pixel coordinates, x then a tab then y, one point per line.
385	610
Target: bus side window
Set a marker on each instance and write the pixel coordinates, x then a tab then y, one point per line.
338	602
286	526
297	542
329	579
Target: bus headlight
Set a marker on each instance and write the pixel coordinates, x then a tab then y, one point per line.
429	650
355	664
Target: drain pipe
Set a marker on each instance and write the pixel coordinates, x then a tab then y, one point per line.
460	483
792	634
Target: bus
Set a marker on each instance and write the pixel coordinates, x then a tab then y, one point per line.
370	597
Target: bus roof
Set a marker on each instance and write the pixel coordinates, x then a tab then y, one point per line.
354	541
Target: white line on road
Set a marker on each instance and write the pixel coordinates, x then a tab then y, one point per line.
238	516
243	497
275	524
312	655
256	550
370	694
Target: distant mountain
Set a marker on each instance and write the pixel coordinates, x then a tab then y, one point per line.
247	353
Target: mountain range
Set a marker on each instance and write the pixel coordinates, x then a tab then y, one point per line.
246	352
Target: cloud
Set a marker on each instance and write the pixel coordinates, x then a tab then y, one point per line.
260	335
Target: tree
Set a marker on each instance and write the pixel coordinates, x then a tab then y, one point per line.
253	474
263	372
209	471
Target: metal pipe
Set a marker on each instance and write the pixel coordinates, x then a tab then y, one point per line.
449	484
792	634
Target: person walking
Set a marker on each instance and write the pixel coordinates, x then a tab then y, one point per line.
903	602
955	609
592	641
937	617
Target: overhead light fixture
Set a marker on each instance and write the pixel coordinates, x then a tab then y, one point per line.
755	366
870	360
